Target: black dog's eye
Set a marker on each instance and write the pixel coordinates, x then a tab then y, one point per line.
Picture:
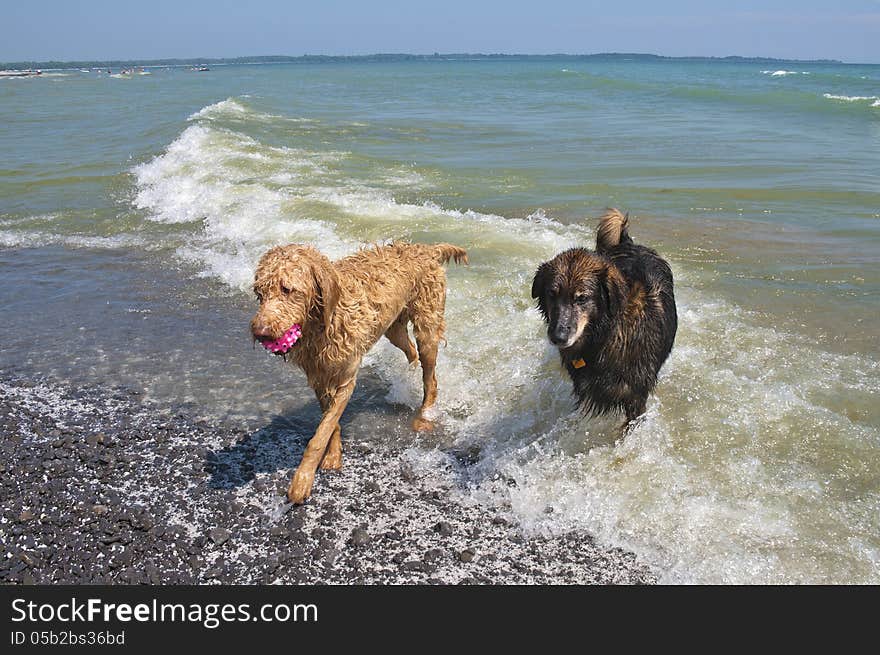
553	292
581	298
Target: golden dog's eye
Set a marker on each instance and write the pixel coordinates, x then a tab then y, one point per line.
285	290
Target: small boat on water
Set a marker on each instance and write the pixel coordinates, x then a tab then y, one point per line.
21	73
200	69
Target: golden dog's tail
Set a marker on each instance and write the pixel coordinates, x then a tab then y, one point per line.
612	230
446	251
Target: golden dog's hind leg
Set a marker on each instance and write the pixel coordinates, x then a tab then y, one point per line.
426	311
428	358
301	484
399	336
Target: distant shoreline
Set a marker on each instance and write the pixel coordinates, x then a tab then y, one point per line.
391	58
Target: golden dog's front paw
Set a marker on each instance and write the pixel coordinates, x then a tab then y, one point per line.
300	487
421	424
331	461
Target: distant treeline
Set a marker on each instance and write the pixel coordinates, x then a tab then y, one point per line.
128	63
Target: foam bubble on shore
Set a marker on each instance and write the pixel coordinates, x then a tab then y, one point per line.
43	398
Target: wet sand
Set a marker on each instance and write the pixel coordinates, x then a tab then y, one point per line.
99	486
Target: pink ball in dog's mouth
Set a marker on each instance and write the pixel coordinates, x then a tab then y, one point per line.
285	342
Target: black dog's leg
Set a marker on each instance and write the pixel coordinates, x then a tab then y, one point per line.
634	409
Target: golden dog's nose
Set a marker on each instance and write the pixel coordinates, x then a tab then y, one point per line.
262	331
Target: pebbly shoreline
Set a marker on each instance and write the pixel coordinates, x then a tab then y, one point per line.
98	486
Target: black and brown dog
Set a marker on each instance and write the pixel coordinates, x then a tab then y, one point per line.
612	315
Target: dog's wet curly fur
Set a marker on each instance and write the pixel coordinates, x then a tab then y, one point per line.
612	315
344	308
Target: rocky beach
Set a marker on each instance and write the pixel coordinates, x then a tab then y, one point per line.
98	486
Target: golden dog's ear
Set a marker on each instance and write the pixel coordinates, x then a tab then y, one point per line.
327	283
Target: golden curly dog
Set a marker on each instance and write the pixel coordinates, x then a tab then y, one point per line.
327	315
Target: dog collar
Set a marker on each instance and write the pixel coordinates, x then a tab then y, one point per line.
578	363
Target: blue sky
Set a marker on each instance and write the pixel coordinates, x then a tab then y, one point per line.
98	29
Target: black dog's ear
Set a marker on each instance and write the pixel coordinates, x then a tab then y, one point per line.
539	285
540	280
609	288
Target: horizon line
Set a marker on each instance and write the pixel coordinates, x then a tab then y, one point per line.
244	59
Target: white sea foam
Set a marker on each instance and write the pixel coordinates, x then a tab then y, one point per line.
784	73
18	220
875	100
230	105
35	239
236	109
725	479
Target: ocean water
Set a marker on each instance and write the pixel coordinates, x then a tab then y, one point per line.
133	210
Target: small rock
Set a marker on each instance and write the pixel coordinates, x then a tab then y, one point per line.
219	536
407	472
100	510
296	552
30	559
433	555
466	555
443	528
26	515
359	537
278	531
330	556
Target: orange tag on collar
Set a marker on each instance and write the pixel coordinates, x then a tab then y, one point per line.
578	363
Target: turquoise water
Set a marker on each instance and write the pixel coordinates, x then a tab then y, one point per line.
133	209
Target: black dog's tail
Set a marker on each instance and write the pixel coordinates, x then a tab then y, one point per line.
612	231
